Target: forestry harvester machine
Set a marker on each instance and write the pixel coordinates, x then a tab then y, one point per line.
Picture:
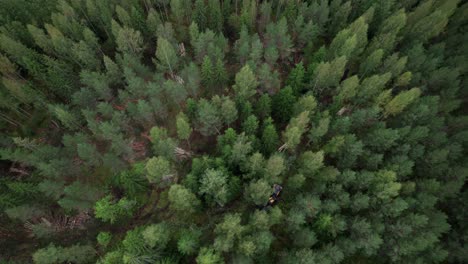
274	198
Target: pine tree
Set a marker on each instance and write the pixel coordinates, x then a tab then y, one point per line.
311	162
256	51
183	127
156	235
240	151
271	55
207	72
86	55
263	106
277	36
166	55
268	79
104	238
340	13
228	232
282	104
270	138
371	87
89	153
191	76
350	42
431	24
189	242
153	20
347	89
328	74
200	14
209	256
401	101
182	199
209	118
66	118
245	83
257	191
305	103
343	44
220	75
133	182
158	171
53	254
215	18
296	78
180	11
129	41
274	168
123	16
229	111
248	14
305	33
319	130
250	125
111	211
213	184
295	129
242	46
386	39
163	145
371	62
404	79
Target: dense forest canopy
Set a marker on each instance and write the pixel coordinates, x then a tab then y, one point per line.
153	131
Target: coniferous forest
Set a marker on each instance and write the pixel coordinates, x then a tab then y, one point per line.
155	131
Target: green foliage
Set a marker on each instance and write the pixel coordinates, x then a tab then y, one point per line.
182	199
189	242
183	127
296	78
158	170
277	36
269	78
129	41
200	14
209	256
214	184
402	100
132	181
104	238
229	231
209	118
67	118
295	129
162	144
79	196
283	103
274	167
166	55
180	116
270	138
328	74
53	254
245	83
305	103
263	106
156	235
257	192
229	111
89	153
250	125
111	211
311	162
